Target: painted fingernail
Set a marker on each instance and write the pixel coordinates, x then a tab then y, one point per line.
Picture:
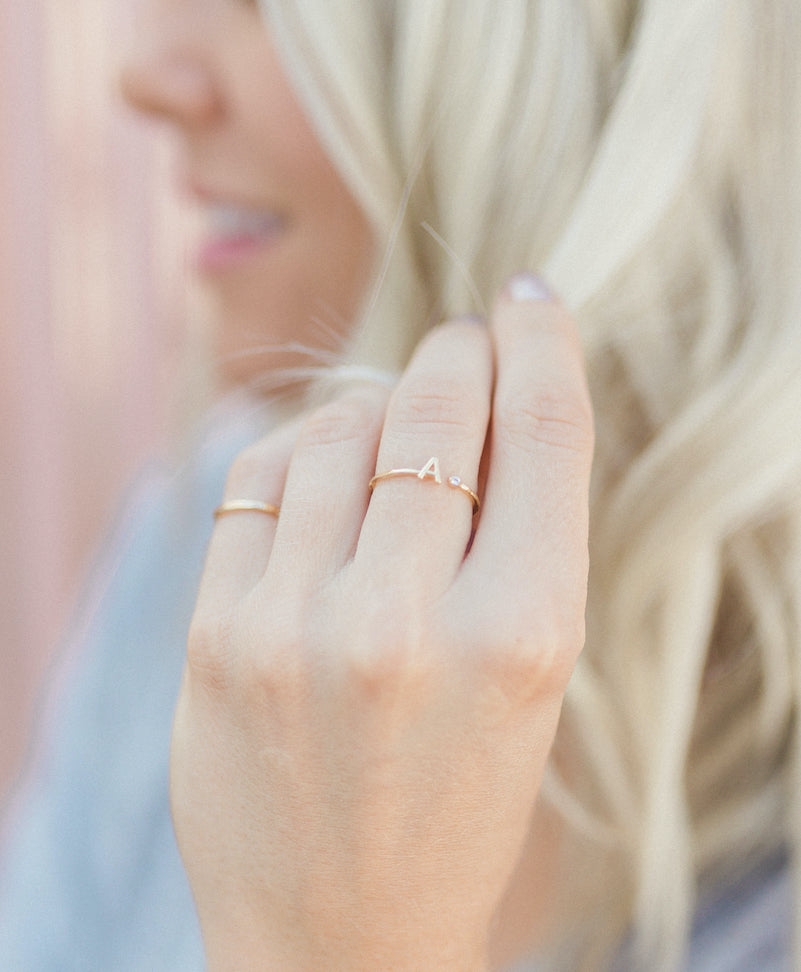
528	286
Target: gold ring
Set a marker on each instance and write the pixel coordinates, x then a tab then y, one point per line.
430	472
246	506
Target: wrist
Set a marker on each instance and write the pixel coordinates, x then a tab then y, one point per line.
342	953
229	959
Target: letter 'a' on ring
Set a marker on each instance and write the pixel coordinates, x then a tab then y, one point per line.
246	506
430	473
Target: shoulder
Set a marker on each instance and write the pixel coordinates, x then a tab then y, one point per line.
124	654
89	843
136	605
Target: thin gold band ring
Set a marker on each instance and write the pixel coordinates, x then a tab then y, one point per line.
246	506
430	473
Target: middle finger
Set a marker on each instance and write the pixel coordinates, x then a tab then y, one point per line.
417	528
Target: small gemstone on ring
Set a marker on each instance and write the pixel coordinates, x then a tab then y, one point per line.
454	481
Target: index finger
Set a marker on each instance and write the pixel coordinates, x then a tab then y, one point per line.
534	524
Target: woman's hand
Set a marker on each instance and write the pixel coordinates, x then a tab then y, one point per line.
366	711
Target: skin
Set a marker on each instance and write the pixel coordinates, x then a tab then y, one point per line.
367	709
376	706
208	69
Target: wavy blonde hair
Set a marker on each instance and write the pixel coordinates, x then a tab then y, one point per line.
646	156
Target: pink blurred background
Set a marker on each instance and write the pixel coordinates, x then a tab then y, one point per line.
92	317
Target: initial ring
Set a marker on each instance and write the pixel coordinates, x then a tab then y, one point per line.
246	506
430	472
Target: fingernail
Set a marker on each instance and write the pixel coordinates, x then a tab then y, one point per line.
528	286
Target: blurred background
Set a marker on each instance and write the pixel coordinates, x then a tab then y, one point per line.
93	310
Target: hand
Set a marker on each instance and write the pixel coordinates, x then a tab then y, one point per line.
367	710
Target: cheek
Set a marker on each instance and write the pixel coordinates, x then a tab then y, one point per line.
338	246
330	248
310	186
307	293
287	142
310	287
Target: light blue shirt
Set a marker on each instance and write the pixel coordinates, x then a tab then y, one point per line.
92	880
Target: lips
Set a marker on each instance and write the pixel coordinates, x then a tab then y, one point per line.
233	222
235	232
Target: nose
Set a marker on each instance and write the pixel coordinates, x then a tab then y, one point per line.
165	75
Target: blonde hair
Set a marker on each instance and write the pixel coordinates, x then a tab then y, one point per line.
646	156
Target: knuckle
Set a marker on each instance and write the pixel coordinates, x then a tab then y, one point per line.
347	419
241	652
267	674
250	466
390	668
270	663
530	656
209	645
391	654
546	419
429	404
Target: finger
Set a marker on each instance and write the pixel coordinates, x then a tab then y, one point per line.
416	528
533	531
241	542
326	495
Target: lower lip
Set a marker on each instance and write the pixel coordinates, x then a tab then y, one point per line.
227	253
